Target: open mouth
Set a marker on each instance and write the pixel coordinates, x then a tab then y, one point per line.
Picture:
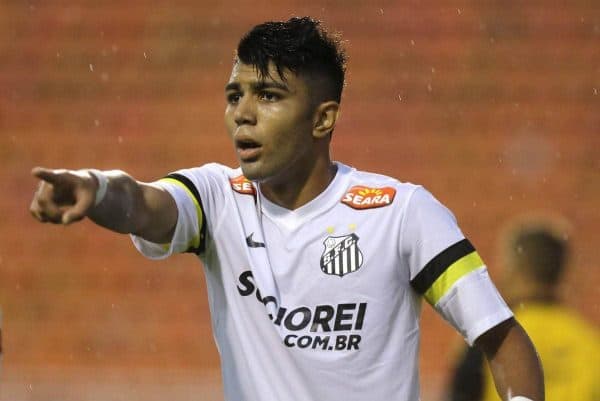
247	149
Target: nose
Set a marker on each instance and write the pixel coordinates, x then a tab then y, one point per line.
245	111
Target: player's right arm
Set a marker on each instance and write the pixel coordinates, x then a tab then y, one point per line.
128	206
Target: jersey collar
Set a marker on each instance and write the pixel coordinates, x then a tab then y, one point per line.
327	199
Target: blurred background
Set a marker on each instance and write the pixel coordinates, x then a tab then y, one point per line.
493	105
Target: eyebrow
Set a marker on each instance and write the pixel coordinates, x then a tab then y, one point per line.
258	86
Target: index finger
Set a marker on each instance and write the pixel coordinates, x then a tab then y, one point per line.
49	175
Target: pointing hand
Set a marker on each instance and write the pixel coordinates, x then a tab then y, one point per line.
63	196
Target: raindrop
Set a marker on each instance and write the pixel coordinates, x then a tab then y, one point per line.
97	123
91	67
459	11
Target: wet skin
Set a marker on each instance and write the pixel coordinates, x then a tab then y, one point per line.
277	129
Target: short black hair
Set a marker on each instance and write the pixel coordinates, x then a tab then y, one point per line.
301	45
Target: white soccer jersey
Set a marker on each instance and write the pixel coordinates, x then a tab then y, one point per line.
323	302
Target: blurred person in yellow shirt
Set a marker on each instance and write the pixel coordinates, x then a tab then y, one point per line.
535	252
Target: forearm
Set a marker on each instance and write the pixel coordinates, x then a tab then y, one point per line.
129	206
514	362
119	207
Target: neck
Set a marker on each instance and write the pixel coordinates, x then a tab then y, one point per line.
300	187
534	292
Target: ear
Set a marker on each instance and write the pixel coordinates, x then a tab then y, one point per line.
325	117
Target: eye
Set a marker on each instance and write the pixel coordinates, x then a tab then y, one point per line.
268	96
233	97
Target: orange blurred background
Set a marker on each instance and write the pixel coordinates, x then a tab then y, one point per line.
492	105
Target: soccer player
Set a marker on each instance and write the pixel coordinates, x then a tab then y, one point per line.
315	270
535	252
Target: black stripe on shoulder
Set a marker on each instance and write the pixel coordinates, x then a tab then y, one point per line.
438	265
192	188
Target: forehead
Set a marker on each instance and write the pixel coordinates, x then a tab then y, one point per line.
248	74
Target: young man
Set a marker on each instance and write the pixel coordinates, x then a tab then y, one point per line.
315	270
535	253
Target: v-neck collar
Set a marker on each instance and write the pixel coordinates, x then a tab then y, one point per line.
292	219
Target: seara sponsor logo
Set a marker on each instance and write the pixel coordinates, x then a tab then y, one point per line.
242	185
361	197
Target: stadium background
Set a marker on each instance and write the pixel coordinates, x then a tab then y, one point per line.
492	105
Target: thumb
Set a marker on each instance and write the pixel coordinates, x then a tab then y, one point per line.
84	202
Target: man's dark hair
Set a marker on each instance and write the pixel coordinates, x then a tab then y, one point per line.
300	45
541	253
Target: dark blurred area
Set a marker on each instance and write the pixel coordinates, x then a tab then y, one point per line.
492	105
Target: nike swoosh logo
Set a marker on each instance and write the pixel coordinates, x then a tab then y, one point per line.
254	244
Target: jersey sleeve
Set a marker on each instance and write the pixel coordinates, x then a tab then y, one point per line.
192	190
446	270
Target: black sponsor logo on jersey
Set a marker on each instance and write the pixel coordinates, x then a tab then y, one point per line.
323	327
341	255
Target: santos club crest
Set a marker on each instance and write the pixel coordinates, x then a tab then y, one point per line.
341	255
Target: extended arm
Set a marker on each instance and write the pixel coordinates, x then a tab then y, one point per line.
513	360
128	206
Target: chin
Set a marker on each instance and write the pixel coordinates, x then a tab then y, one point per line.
251	172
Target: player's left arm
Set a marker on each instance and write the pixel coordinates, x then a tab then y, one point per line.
513	361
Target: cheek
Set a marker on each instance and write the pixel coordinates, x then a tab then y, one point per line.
287	123
229	122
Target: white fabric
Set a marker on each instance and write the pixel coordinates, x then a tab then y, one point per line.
352	336
102	185
469	304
